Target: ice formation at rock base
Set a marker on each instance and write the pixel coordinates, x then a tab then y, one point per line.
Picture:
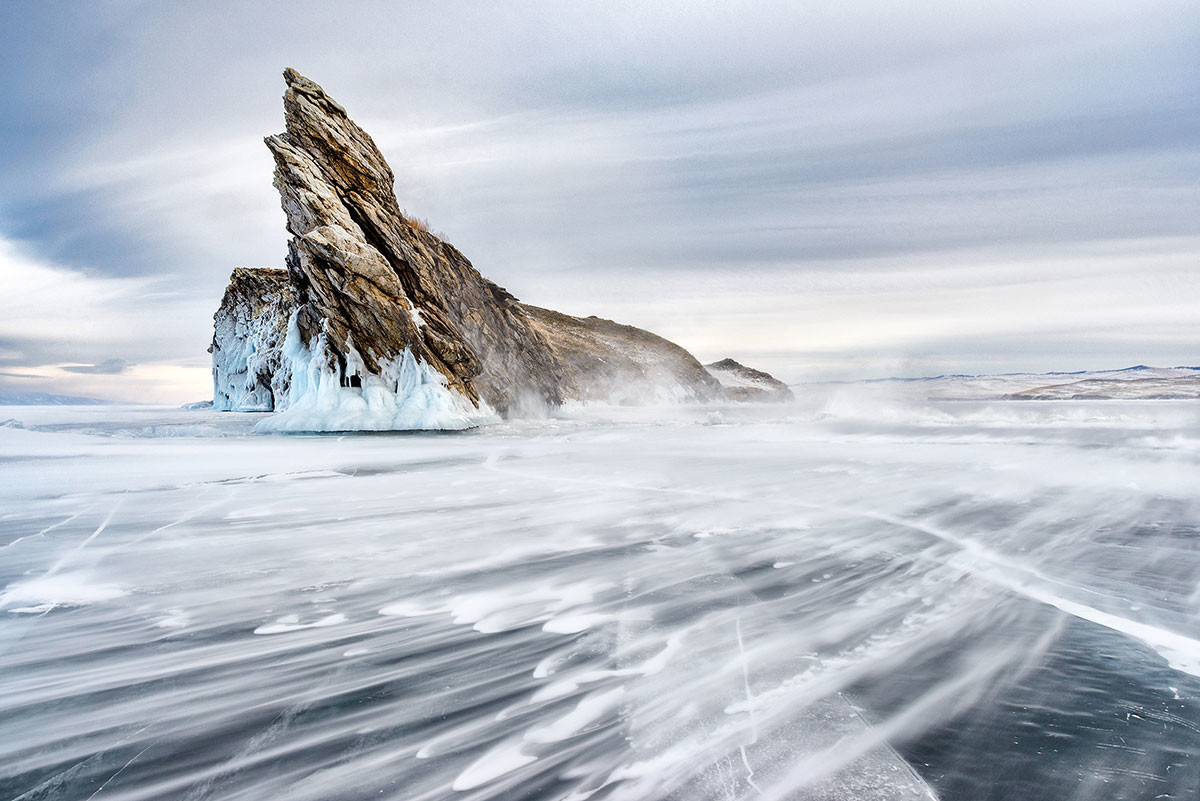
249	328
406	393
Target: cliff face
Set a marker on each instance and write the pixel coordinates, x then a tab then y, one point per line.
249	371
381	324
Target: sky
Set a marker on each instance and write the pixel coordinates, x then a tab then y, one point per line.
824	190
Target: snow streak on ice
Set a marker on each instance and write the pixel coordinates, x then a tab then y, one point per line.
697	603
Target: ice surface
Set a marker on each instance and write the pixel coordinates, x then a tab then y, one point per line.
618	603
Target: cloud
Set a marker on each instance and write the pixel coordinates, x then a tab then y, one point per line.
106	367
51	316
161	383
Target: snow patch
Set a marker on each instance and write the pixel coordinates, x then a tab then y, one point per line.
503	759
175	619
492	612
61	589
583	717
292	623
573	624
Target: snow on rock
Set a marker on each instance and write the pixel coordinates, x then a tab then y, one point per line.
407	394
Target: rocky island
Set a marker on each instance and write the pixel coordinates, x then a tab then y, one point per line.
379	324
744	383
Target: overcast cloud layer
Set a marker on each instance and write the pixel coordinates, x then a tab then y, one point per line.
859	189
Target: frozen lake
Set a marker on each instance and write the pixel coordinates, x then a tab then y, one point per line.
776	602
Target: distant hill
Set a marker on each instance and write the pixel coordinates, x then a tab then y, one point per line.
1152	387
1140	382
46	399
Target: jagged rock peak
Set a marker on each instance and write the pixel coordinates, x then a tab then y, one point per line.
297	83
345	152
